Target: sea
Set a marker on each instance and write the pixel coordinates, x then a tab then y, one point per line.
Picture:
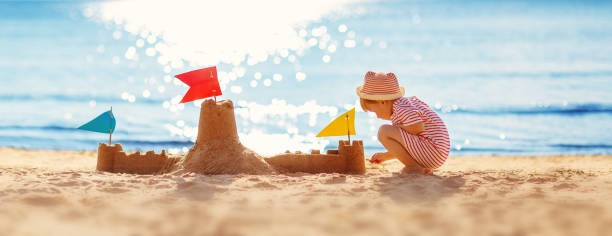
507	77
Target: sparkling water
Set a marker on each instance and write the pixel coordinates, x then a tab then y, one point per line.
520	77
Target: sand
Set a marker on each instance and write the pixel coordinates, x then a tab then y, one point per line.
59	193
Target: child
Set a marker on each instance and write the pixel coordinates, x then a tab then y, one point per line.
417	136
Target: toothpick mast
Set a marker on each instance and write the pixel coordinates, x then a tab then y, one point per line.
110	130
214	90
348	129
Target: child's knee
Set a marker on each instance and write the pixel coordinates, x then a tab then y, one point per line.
383	132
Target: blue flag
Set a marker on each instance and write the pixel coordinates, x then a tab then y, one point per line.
104	123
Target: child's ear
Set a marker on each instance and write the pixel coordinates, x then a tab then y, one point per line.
391	75
370	74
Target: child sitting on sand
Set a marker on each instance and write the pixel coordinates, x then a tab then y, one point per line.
417	136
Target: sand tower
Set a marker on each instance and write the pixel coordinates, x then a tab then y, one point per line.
217	149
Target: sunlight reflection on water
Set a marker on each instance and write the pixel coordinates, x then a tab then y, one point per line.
244	39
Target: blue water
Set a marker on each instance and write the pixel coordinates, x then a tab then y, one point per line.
517	77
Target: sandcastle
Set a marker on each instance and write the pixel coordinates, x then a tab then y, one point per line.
218	150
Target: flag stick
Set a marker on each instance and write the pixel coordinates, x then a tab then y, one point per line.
110	130
214	90
348	129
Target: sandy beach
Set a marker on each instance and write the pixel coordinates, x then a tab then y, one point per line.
257	117
60	193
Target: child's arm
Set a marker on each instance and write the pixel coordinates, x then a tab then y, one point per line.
414	129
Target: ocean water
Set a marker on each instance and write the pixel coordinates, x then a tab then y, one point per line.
508	78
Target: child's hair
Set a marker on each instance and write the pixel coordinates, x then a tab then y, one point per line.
365	102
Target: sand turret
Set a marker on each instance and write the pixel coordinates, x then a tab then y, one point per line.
217	149
355	160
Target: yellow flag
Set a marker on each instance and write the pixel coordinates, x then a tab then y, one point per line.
343	125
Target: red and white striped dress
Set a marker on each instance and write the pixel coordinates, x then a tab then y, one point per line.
429	148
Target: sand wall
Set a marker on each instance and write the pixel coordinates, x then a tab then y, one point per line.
114	159
347	159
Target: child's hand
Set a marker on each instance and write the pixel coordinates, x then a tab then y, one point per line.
380	157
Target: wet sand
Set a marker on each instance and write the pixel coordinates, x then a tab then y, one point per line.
60	193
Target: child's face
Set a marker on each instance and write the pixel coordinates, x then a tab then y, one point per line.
383	109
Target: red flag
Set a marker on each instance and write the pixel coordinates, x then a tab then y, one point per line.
203	83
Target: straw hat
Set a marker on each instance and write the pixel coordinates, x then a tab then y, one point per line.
380	86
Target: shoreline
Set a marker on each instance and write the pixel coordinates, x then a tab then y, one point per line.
83	160
330	147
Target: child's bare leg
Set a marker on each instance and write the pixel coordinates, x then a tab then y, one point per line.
391	137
